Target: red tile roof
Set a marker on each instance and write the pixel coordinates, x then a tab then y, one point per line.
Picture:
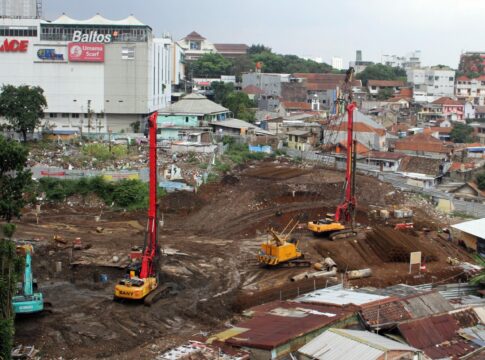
358	127
466	78
194	36
386	155
253	90
422	142
447	101
441	130
296	105
455	166
231	48
360	149
385	83
321	82
397	98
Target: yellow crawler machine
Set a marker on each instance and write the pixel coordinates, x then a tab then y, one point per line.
280	250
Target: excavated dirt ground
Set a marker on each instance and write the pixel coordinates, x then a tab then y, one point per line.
210	240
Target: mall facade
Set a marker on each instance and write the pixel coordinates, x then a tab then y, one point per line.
98	75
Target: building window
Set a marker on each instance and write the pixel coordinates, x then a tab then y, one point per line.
75	116
451	78
65	115
128	53
374	87
52	115
186	119
436	77
195	45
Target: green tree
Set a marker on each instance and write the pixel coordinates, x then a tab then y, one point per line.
221	90
11	267
257	49
23	107
240	105
479	278
381	72
461	133
481	180
385	93
211	65
14	178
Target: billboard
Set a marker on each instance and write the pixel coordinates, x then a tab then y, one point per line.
86	52
50	54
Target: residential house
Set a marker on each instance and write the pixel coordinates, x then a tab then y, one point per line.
429	113
192	114
270	84
323	88
471	89
479	128
451	109
463	171
441	133
302	140
238	127
424	144
355	345
397	103
286	108
382	160
431	83
253	92
195	45
479	112
278	328
471	234
469	191
366	131
232	51
423	172
374	86
409	61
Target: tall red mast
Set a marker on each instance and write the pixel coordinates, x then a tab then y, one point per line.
151	246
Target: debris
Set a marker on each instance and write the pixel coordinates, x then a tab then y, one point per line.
59	239
359	274
99	229
25	352
77	244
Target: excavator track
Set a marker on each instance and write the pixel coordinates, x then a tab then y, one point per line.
160	292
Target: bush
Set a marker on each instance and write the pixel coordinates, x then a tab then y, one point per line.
481	181
239	153
222	167
131	194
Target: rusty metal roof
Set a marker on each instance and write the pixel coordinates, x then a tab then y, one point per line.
279	322
437	336
388	314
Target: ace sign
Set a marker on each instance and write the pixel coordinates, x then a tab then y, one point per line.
85	52
14	45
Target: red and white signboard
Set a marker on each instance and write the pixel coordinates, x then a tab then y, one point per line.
14	45
86	52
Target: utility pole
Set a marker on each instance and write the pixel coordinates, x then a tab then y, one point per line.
89	116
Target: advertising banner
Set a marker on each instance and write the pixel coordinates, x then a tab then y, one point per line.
86	52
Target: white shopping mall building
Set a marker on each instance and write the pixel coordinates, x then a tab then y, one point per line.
98	75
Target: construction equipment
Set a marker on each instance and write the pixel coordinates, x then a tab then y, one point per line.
27	301
280	250
143	279
335	226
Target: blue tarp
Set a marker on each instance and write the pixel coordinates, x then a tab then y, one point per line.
171	186
259	148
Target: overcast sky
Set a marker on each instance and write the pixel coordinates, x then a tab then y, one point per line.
441	29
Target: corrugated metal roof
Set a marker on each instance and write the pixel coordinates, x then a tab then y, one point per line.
271	327
427	304
475	334
340	297
474	227
226	334
436	336
351	344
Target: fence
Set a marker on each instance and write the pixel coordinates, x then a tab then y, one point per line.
59	173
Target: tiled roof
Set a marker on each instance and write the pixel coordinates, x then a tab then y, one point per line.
231	48
193	104
360	149
466	78
194	36
397	99
385	83
296	105
480	109
420	165
253	90
447	101
321	82
441	130
358	127
386	155
421	142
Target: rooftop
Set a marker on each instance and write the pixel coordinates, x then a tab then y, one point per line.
97	20
385	83
422	142
232	48
194	36
240	124
253	90
193	104
340	297
351	344
296	105
447	101
279	322
421	165
473	227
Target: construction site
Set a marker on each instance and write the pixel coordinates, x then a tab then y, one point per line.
209	243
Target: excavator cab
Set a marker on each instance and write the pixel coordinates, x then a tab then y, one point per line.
135	288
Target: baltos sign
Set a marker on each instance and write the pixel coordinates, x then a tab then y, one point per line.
14	45
91	37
